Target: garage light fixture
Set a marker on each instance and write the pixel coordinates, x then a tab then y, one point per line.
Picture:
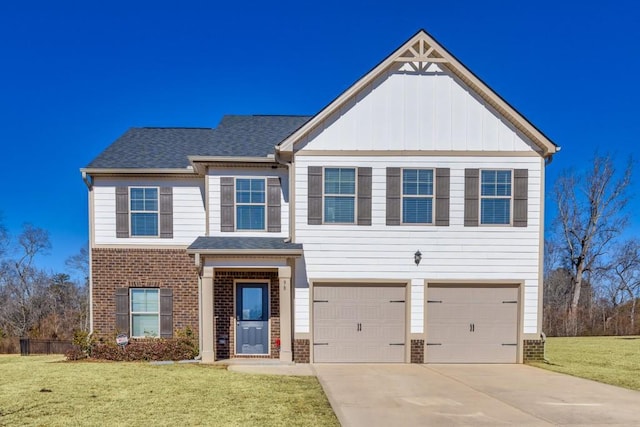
417	257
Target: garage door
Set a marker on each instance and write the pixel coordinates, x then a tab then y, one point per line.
472	324
358	323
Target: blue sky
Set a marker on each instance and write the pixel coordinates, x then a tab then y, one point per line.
74	76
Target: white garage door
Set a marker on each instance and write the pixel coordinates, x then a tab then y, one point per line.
472	324
358	323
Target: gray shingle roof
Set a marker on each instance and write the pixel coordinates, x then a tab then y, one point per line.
242	243
237	136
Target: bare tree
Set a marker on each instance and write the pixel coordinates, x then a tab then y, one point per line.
23	287
625	278
590	215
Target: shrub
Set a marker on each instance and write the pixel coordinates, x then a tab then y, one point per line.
147	349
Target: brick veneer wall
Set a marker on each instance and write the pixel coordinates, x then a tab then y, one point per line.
417	351
301	351
143	268
224	310
533	351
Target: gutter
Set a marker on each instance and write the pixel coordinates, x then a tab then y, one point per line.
278	159
137	171
255	252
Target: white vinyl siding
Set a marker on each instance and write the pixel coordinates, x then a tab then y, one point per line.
188	211
381	252
213	178
408	111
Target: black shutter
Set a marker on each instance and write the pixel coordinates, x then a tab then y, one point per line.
442	196
364	196
471	205
122	310
227	202
520	197
166	212
166	313
314	195
274	208
122	212
393	196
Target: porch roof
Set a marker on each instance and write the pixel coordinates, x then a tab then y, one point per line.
208	245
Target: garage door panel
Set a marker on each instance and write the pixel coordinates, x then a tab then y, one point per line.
472	324
355	323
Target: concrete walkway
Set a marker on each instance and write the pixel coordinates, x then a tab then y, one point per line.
472	395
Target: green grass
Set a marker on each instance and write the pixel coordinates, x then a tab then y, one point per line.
140	394
611	360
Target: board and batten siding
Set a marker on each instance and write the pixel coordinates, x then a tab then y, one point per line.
188	211
484	253
432	110
213	178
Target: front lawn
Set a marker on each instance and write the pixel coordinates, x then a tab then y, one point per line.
44	390
611	360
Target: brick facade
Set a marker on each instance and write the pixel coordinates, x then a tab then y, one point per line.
533	351
224	311
301	351
417	351
141	268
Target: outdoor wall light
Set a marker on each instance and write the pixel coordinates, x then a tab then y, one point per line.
417	257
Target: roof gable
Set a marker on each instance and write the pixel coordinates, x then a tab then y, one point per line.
418	54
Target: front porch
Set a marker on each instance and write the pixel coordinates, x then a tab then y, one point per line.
245	298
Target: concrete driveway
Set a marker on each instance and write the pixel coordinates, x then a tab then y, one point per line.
471	395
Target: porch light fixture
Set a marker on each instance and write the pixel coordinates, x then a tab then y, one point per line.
417	257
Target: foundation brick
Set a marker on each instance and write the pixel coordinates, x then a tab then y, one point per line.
533	351
301	351
417	351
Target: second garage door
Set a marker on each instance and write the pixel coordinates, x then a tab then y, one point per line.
472	324
358	323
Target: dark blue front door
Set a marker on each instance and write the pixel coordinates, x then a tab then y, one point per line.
252	316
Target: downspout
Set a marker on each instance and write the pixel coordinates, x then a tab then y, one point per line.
291	207
88	181
199	268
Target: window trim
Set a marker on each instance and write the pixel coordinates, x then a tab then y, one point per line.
132	212
432	196
236	204
481	197
354	196
132	313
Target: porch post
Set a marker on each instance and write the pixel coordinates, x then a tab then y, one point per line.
208	334
284	276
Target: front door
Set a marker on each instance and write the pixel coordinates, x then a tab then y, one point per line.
252	316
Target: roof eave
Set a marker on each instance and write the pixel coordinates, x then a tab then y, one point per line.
138	171
254	252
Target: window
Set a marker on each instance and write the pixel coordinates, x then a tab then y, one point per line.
250	204
417	196
144	211
495	197
145	313
339	195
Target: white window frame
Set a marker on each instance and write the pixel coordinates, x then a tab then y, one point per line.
237	204
355	194
432	197
132	212
132	313
481	197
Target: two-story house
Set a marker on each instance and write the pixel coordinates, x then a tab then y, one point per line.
401	223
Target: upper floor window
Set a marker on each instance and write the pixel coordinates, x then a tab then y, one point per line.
144	211
145	312
250	204
417	196
495	197
339	195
